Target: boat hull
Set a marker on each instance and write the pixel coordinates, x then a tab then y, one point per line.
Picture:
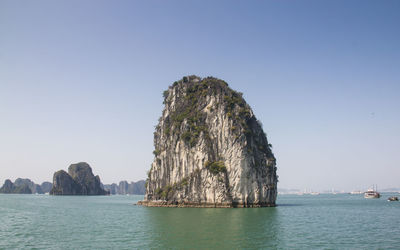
372	196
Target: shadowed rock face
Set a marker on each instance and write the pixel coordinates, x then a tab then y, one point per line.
23	189
63	184
210	150
78	181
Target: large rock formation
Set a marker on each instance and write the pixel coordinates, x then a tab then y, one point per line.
78	181
210	150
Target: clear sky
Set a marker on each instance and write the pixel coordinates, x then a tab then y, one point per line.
83	81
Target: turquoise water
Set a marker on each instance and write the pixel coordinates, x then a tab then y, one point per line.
112	222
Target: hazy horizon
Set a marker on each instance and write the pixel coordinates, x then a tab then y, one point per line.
83	81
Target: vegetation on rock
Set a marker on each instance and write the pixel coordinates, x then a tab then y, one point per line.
215	167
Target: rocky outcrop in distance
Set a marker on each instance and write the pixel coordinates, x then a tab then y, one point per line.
25	186
46	187
210	150
124	188
79	180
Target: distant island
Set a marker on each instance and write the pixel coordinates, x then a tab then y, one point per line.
79	180
210	150
25	186
124	188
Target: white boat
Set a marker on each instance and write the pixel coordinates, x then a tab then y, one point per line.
372	194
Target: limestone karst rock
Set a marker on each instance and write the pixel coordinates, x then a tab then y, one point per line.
20	186
78	181
63	184
112	188
15	188
23	189
35	188
137	187
124	188
46	186
7	188
210	150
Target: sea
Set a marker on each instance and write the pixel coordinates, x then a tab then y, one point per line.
325	221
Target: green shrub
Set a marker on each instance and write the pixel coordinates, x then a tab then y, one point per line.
215	167
184	182
165	191
186	136
158	191
243	112
167	131
165	94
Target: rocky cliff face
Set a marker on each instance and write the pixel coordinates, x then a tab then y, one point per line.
210	150
78	181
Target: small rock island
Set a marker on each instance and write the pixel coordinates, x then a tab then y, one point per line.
79	180
210	150
11	188
24	186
